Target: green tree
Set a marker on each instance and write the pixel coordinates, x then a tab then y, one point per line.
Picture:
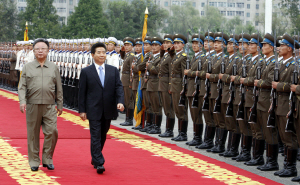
88	20
292	7
8	20
42	20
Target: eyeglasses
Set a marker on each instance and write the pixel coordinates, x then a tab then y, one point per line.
40	49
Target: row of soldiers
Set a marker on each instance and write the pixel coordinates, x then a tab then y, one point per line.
231	91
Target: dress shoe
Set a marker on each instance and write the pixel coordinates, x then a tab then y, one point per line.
34	168
197	140
296	179
272	156
257	153
208	138
234	146
49	166
168	133
138	127
100	169
290	169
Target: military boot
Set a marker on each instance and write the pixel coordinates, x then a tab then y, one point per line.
246	148
197	140
222	140
129	118
140	126
272	158
228	144
216	140
178	131
156	127
257	153
208	138
148	123
234	147
170	122
183	131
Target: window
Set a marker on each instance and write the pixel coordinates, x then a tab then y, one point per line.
166	3
61	10
248	14
202	4
21	8
21	0
257	14
240	5
71	11
222	4
230	13
62	19
215	4
257	6
70	2
256	23
240	13
202	12
231	4
247	22
248	6
182	3
223	13
175	2
61	1
194	4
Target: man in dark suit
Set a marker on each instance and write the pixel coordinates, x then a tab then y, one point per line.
100	95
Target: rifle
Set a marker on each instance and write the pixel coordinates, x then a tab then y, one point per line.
146	75
290	127
205	106
229	110
182	99
240	113
195	101
217	108
133	63
272	117
253	112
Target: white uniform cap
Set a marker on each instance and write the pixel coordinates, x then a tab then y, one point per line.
112	40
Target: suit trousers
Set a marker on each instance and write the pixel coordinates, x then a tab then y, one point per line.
128	98
244	125
196	113
166	100
155	102
38	115
147	102
180	111
98	131
288	138
208	115
270	134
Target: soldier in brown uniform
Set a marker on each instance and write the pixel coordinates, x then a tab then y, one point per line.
196	112
210	126
152	85
13	71
263	105
135	72
164	86
283	91
142	67
256	61
178	67
231	124
242	123
128	95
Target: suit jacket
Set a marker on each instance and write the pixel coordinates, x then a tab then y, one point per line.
94	99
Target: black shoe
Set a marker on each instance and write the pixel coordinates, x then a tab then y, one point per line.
49	166
257	153
290	169
197	140
138	127
34	168
228	144
168	133
208	138
157	123
296	179
272	156
221	143
246	148
149	123
178	131
170	122
216	141
234	146
100	169
183	130
129	118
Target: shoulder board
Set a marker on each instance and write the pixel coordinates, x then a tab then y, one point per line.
213	54
225	56
293	62
183	54
202	55
236	57
132	54
273	60
261	59
248	58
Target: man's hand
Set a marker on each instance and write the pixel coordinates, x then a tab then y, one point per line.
242	80
23	108
83	116
255	82
59	111
232	78
170	92
147	63
120	107
274	84
220	76
197	73
186	71
207	75
293	87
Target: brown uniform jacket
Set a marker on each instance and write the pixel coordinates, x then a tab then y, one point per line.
142	67
153	68
283	87
126	69
192	73
178	67
135	77
265	85
165	71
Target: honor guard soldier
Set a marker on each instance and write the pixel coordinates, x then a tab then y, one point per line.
265	84
178	67
210	126
255	66
135	73
1	66
283	91
243	123
164	86
196	111
142	68
127	64
216	90
30	55
228	96
112	57
152	85
13	71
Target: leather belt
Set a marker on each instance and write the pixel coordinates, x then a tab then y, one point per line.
176	76
152	77
249	88
125	72
164	75
135	75
191	78
283	93
265	90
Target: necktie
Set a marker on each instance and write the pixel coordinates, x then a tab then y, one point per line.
101	75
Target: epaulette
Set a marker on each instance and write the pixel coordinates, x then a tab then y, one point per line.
213	54
132	54
202	55
288	64
260	59
273	60
236	57
183	54
225	56
249	58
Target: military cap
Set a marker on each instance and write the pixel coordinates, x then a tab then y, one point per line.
179	38
128	40
218	37
113	40
121	43
105	40
169	37
268	39
244	37
195	37
235	39
289	41
254	37
30	42
138	41
157	40
279	39
210	36
148	40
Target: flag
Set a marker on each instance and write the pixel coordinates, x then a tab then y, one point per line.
139	104
26	33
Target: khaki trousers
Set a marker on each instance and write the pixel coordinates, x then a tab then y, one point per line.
166	100
208	115
128	98
38	115
270	134
180	111
289	139
147	102
155	102
196	113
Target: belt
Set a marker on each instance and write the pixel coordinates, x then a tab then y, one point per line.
249	88
164	75
265	90
125	72
284	93
176	76
191	78
135	75
152	77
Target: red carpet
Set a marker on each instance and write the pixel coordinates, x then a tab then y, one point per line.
124	163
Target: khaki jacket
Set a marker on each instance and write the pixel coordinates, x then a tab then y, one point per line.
178	67
192	74
153	68
165	71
